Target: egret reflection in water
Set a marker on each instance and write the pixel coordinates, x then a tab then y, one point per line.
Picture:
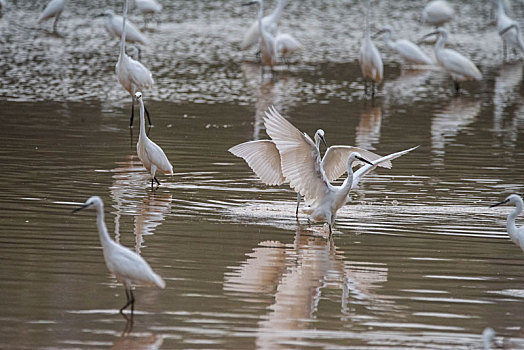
368	129
506	96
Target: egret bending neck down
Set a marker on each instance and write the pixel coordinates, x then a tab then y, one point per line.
128	267
516	234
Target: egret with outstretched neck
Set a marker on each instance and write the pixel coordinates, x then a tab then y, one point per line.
269	23
516	234
132	74
268	54
409	51
128	267
53	9
459	67
369	58
151	155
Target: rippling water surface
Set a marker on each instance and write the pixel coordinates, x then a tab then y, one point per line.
417	260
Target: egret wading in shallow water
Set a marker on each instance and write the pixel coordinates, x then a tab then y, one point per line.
128	267
286	45
459	67
53	9
409	51
310	175
268	54
509	30
369	58
151	155
269	23
516	234
132	74
437	13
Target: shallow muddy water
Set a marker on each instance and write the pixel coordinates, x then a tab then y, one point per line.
417	259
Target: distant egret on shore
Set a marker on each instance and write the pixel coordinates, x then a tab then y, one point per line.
129	268
409	51
53	9
113	26
151	155
369	58
268	54
509	30
437	13
516	234
459	67
148	7
269	23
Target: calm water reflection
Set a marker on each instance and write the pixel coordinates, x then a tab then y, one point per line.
417	261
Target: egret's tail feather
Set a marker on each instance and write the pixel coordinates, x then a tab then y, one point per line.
159	282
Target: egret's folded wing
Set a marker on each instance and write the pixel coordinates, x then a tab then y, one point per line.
263	158
300	158
366	169
158	157
335	161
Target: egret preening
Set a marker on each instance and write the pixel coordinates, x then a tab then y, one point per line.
409	51
310	175
516	234
437	13
128	267
369	58
459	67
269	23
509	30
268	54
53	9
151	155
131	73
113	25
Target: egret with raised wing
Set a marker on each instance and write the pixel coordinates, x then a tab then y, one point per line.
369	58
516	234
459	67
151	155
409	51
132	74
53	9
129	268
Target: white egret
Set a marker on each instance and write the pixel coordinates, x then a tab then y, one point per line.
488	335
509	30
309	175
459	67
151	155
369	58
286	45
437	13
148	6
269	23
53	9
128	267
113	25
131	73
409	51
268	54
516	234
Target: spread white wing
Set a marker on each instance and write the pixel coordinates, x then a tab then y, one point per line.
335	161
263	158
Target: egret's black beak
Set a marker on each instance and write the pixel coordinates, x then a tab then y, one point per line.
499	203
364	160
503	31
323	140
80	208
249	3
100	15
427	36
377	34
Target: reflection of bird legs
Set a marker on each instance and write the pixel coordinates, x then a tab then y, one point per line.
130	301
129	326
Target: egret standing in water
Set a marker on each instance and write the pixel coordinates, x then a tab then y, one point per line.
509	30
459	67
131	73
286	45
269	23
310	176
409	51
128	267
369	58
516	234
437	13
151	155
268	54
53	9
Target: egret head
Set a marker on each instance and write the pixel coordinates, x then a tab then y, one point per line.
512	199
355	156
108	13
259	2
138	95
94	201
386	29
440	31
319	136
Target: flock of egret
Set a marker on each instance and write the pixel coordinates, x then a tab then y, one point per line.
289	156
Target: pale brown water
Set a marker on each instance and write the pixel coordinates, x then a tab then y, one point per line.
418	260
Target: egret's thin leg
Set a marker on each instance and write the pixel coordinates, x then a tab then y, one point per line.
128	302
132	113
54	23
504	50
151	184
158	182
139	52
299	198
147	113
372	88
132	302
365	87
457	86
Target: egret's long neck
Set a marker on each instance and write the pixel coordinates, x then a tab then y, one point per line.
142	121
388	38
277	13
368	5
102	229
512	227
500	9
439	45
123	37
260	15
347	185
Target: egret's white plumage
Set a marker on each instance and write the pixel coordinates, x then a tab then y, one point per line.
369	57
516	234
437	13
268	54
286	45
269	23
307	174
148	6
151	155
459	67
409	51
128	267
508	29
131	74
53	9
114	23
